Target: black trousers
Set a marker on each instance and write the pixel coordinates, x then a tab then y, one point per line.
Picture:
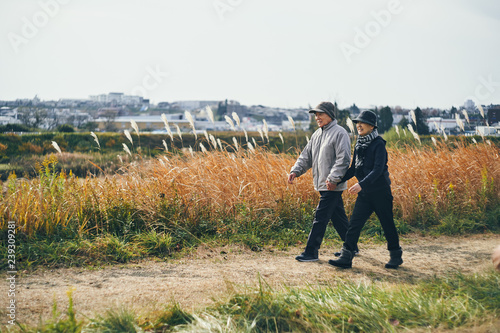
330	207
379	202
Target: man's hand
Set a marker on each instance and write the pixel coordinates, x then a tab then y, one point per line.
355	189
291	177
330	186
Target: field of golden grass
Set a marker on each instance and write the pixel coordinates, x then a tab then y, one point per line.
210	187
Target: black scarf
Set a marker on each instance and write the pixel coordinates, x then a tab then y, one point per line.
361	144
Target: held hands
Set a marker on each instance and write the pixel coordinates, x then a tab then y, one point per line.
291	177
355	189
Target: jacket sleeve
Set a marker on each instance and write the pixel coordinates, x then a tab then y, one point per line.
350	172
342	158
304	162
380	160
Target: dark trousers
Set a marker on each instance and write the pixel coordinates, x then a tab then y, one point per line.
330	207
379	202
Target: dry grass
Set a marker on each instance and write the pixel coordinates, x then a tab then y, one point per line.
444	178
214	186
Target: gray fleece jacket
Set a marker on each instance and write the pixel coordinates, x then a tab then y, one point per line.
328	153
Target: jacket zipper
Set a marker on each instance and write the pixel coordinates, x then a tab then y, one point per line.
317	160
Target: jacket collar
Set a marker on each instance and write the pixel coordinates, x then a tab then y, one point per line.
330	125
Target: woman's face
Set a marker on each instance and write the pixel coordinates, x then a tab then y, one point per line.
364	128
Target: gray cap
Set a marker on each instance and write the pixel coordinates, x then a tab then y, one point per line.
325	107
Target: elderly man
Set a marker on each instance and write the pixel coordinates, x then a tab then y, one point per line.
328	153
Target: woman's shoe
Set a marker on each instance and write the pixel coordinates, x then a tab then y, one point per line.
396	259
345	259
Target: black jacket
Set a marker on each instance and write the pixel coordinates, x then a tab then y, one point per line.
374	175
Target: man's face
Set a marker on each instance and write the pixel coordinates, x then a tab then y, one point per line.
322	119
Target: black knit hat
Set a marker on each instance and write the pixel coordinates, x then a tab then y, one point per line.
367	117
325	107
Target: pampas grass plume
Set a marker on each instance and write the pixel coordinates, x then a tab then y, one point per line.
190	119
265	129
481	110
56	146
254	143
134	126
230	122
213	141
210	114
261	134
95	139
415	135
350	124
290	119
246	134
129	137
167	127
203	149
236	118
178	131
250	147
235	143
125	147
466	115
413	117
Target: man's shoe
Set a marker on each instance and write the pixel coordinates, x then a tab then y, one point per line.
306	257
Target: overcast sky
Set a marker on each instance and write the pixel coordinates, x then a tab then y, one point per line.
285	53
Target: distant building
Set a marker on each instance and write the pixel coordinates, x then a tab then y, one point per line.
469	105
8	116
69	102
102	98
193	105
437	124
163	105
493	114
488	130
117	98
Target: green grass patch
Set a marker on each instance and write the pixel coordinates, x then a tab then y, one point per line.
451	303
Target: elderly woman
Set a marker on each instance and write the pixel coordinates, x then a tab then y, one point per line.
369	166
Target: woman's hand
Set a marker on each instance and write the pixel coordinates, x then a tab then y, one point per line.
291	177
355	189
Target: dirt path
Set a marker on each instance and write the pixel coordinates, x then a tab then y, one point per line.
194	281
